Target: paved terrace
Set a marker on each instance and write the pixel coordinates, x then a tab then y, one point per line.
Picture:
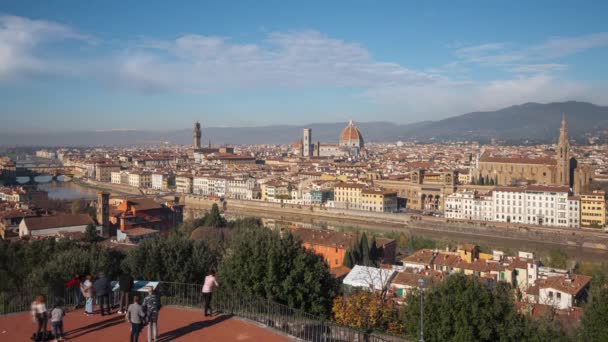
175	324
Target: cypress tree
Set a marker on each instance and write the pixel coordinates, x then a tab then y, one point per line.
348	259
374	253
364	248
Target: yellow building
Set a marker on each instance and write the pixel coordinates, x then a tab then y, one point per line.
593	209
348	195
379	200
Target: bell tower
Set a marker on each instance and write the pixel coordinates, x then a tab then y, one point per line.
562	153
197	135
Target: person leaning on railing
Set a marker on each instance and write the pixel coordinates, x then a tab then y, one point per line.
208	286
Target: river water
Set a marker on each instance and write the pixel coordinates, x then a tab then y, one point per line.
68	191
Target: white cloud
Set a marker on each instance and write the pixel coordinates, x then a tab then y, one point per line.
285	59
19	39
517	58
196	63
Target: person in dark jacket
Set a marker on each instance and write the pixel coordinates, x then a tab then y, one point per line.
151	307
103	289
125	282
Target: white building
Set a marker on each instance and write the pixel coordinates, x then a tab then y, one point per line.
536	205
563	292
240	188
119	177
158	179
140	179
43	226
183	184
469	205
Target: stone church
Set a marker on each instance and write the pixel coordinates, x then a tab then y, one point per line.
561	169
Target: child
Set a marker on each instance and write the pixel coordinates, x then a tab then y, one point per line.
57	321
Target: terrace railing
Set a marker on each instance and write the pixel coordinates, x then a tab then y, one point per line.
273	315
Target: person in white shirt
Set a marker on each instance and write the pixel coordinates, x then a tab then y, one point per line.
39	315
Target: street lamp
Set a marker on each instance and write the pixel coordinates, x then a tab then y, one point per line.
421	287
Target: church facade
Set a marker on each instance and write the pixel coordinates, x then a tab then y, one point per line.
560	169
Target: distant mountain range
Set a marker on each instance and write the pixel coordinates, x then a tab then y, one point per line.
529	122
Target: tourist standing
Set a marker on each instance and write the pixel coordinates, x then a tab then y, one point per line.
87	291
208	286
39	316
103	288
74	284
152	307
125	282
135	315
57	315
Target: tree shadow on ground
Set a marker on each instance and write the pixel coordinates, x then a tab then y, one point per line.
179	332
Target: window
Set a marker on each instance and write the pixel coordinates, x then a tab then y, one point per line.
559	295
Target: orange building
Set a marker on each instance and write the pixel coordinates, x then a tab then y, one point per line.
332	245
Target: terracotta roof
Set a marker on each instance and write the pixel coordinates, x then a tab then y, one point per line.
350	133
572	284
517	160
140	231
422	257
145	204
57	221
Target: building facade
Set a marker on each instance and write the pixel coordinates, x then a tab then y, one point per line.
593	209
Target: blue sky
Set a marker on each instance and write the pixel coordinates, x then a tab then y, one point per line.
100	65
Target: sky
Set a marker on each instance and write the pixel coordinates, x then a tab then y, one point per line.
159	65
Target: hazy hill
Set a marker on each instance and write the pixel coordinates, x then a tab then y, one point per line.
530	121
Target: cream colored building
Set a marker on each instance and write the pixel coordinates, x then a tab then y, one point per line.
593	209
140	179
379	200
348	196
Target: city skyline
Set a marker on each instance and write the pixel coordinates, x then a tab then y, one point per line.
289	64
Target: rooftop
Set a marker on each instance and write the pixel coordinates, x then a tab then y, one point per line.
175	324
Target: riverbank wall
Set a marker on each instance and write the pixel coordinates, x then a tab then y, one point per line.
578	238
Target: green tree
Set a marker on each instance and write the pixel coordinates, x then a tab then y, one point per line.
348	259
262	264
364	250
214	218
462	308
90	234
593	323
374	252
175	258
557	258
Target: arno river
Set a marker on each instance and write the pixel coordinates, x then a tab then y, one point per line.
58	190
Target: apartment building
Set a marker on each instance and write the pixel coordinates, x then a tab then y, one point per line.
469	205
103	172
183	184
348	196
593	209
119	177
379	200
536	204
140	179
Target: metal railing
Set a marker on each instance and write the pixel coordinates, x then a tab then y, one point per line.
274	315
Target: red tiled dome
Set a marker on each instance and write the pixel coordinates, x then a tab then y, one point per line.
351	136
297	144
